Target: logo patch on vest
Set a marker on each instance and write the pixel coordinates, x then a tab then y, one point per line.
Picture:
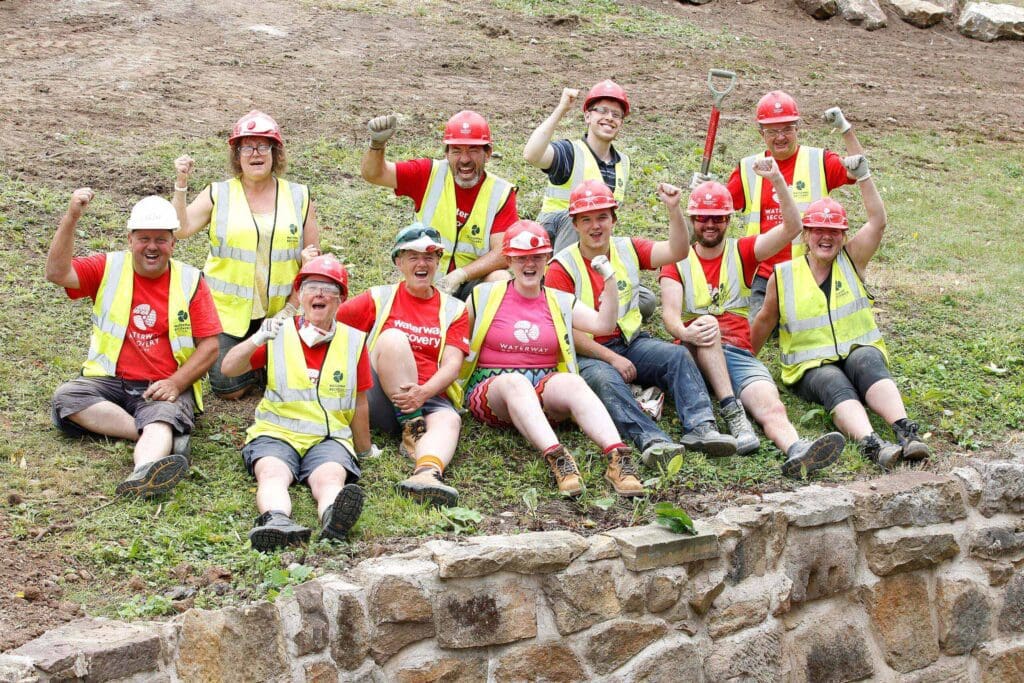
475	230
800	185
182	316
293	229
338	376
621	285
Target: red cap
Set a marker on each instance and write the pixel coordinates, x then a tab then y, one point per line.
591	195
467	128
524	238
710	199
608	90
328	267
777	107
826	213
256	124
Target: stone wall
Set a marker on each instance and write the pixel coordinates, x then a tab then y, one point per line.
912	577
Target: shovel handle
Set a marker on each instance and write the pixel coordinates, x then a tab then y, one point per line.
709	141
716	94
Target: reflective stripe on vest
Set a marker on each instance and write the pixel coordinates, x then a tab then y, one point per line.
626	264
584	167
808	185
302	413
492	294
438	209
451	308
112	310
733	295
813	332
231	267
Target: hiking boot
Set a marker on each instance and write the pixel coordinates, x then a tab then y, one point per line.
567	475
274	529
906	436
881	452
661	453
341	515
425	485
412	431
706	439
622	473
741	429
182	445
154	478
804	456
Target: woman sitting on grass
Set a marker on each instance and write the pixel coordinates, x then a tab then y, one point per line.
831	349
521	370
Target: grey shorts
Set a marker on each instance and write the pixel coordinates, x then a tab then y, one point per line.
382	410
560	229
301	467
82	392
228	385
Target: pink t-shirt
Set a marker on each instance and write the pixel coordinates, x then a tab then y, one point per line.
521	336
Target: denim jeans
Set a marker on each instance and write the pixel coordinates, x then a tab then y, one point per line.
669	367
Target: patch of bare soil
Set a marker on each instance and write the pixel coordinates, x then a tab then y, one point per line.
140	70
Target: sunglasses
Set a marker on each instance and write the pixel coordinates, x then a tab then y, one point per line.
413	234
717	220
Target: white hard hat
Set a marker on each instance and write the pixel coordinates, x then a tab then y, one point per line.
153	213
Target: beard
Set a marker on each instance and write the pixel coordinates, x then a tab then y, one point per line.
711	244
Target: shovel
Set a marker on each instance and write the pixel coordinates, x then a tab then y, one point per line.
716	98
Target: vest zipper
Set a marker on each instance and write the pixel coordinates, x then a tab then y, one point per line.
327	418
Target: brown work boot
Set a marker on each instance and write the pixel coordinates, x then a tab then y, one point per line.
412	431
426	486
567	475
622	473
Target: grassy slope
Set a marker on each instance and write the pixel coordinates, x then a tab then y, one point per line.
947	278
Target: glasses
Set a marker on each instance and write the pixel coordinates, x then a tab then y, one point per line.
717	220
247	150
322	288
605	111
778	132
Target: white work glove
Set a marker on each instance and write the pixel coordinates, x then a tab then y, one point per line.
270	328
835	117
381	130
372	452
452	281
602	267
857	167
699	178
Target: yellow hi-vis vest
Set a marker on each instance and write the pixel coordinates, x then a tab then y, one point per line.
733	293
302	413
491	295
111	314
231	267
626	265
451	308
584	167
808	185
813	332
438	210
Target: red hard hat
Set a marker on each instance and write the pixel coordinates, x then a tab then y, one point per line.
256	124
524	238
467	128
591	195
710	199
608	90
327	266
777	107
826	213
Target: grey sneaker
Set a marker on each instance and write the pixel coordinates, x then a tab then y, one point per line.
341	515
906	436
741	429
182	445
661	452
883	453
810	456
154	478
706	439
274	529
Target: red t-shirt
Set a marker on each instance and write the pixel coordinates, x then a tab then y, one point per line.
557	278
771	214
315	357
413	177
418	318
734	328
146	352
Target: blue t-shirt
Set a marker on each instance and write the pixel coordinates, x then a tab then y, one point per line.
565	155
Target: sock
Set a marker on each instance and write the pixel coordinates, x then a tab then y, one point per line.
613	447
431	461
405	417
727	402
550	449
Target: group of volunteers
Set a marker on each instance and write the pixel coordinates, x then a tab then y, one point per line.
521	323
